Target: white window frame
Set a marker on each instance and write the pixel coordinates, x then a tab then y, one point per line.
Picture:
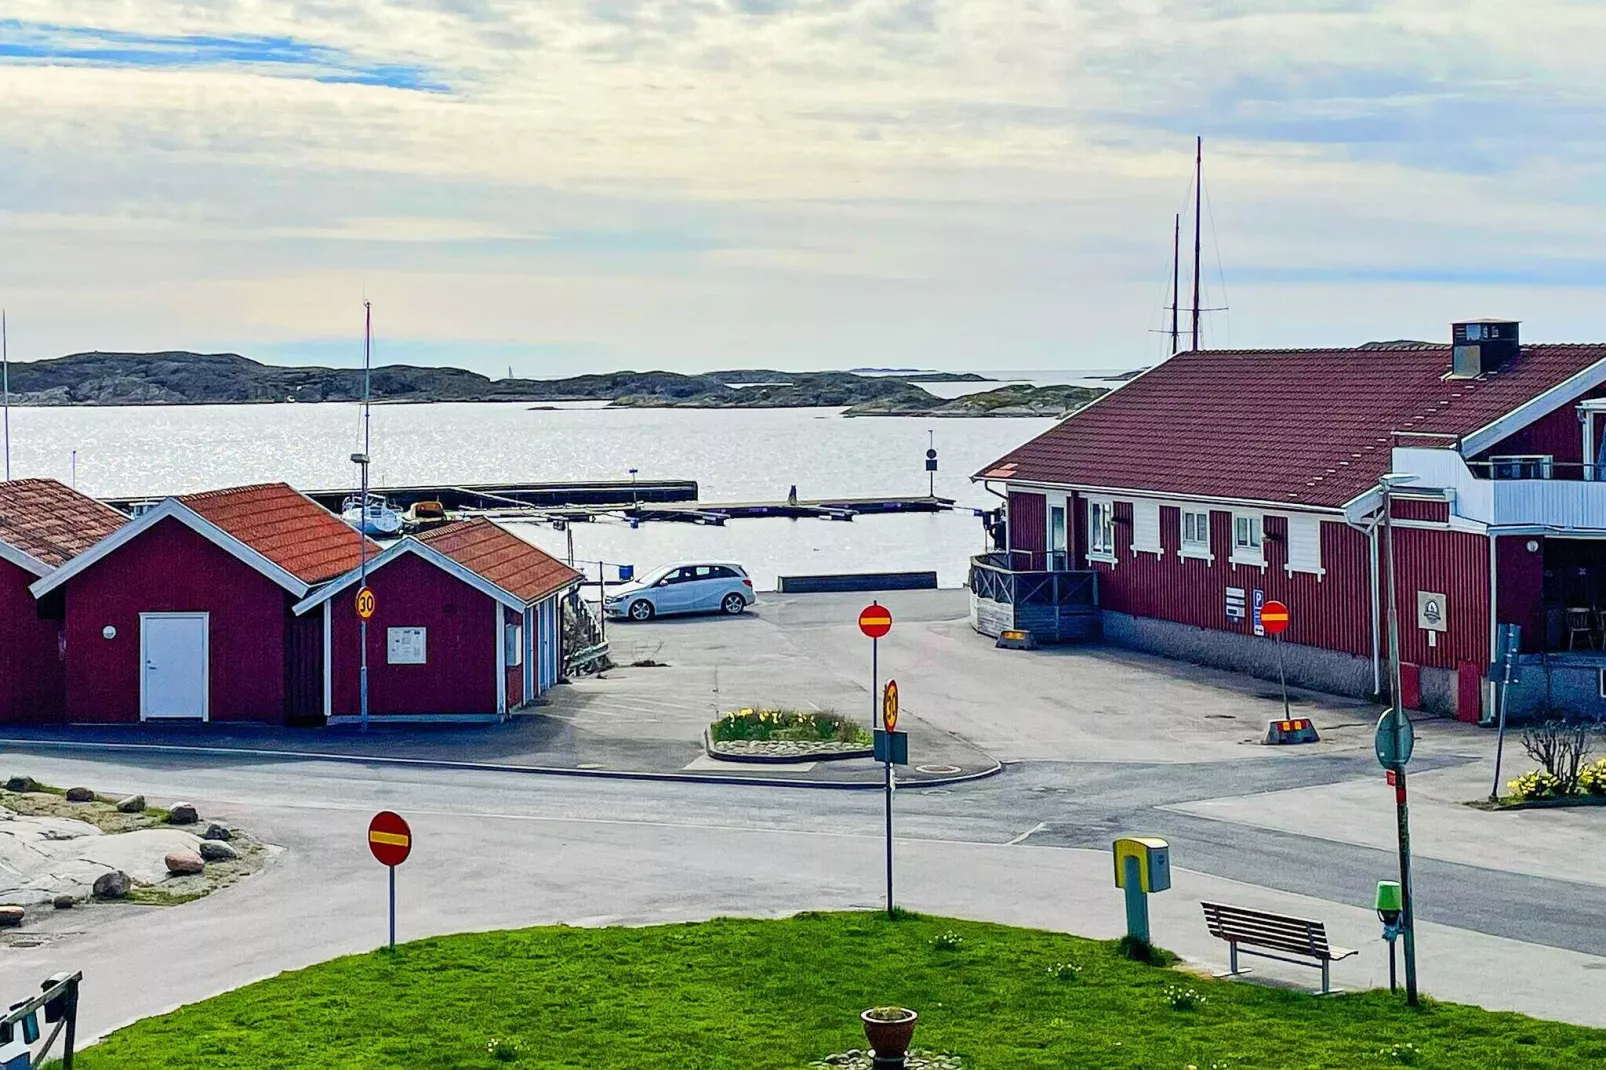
1249	555
1146	527
1200	551
1064	503
513	644
1095	506
1291	567
1543	465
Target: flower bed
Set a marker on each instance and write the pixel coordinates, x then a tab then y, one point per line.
766	735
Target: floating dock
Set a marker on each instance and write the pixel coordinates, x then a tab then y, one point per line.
497	495
716	513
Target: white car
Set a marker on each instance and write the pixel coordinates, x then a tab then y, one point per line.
709	587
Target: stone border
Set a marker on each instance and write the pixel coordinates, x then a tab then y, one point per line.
1566	802
712	750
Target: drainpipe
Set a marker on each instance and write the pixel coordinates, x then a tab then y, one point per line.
1377	646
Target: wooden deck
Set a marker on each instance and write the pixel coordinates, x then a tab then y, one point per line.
1055	606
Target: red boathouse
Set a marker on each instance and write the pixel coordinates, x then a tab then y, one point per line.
1217	481
186	611
43	525
467	625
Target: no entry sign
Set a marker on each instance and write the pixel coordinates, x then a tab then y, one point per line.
875	621
389	838
1274	618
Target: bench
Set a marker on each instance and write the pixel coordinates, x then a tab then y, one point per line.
1277	935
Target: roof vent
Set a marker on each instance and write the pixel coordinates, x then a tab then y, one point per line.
1482	346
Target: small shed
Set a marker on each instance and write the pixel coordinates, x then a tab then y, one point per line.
467	625
43	525
185	612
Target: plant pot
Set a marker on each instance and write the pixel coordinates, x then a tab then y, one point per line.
889	1038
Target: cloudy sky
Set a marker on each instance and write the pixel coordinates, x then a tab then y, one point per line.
570	185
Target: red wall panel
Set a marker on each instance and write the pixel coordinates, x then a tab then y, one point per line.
459	674
1520	588
515	673
1331	611
1421	509
1456	565
171	569
33	679
1028	522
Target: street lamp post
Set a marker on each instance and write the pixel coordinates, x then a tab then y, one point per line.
1387	484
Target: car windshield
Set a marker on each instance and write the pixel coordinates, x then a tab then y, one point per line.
656	574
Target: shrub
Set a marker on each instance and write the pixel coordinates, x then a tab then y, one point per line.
1560	748
1592	777
1535	785
794	725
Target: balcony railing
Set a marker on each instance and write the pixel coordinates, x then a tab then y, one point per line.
1035	592
1514	496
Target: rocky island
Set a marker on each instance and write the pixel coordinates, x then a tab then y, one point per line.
184	378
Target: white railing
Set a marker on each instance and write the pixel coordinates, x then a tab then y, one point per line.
1556	503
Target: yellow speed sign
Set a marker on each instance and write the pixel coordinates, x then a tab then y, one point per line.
889	706
365	603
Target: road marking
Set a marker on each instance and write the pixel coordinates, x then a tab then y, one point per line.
1039	827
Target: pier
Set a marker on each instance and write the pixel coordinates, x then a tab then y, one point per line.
715	514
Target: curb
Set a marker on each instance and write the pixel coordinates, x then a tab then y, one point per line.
492	767
780	759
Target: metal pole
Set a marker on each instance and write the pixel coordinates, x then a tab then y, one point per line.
1508	656
1395	687
1176	281
1198	198
362	516
1394	985
1282	676
70	1038
1407	918
889	827
392	907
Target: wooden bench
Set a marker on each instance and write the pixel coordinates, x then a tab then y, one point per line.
1278	935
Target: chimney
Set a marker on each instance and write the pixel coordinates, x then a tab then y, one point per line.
1482	346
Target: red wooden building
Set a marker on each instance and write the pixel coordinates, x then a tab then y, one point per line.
43	525
1218	480
186	611
467	625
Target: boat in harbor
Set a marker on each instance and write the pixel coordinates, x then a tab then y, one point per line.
374	517
422	516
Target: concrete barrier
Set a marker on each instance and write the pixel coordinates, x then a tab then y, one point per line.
857	581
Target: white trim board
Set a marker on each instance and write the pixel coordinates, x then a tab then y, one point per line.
176	510
410	545
1534	408
1170	497
25	561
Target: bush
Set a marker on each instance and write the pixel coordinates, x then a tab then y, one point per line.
1560	748
1592	777
1535	785
794	725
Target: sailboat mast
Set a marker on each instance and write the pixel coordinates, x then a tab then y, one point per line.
5	386
1198	200
1176	279
362	502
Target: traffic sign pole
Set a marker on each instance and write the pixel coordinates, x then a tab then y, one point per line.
875	620
390	841
889	723
1282	677
1408	917
392	870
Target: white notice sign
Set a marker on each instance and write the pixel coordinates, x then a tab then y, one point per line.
405	646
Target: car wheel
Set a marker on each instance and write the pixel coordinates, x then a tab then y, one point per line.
733	604
641	610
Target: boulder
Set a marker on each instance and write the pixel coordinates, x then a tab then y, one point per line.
22	783
182	814
113	885
134	804
180	863
80	795
63	902
217	851
215	831
11	917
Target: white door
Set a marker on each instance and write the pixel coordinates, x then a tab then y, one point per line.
173	647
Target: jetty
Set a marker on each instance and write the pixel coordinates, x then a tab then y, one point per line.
715	514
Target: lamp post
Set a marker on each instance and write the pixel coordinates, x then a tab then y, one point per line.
1407	917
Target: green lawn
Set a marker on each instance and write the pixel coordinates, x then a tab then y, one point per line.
777	994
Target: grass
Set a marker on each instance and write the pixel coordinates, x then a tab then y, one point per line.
797	725
774	995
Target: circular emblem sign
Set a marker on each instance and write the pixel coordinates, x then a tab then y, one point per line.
365	603
889	706
1274	618
875	621
389	838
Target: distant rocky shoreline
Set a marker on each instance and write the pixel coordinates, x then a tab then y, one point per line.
183	378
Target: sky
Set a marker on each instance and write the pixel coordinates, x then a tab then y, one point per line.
585	185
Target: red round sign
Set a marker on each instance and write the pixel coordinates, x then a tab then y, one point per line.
389	838
1274	617
875	621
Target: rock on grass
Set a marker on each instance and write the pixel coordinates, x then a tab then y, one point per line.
134	804
182	814
180	863
80	795
217	851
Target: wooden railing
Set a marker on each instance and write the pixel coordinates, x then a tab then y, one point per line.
1016	577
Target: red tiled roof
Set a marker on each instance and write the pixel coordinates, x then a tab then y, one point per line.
286	527
501	557
1301	426
52	523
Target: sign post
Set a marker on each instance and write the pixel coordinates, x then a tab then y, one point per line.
1394	742
1274	620
1503	673
390	841
365	612
889	730
875	621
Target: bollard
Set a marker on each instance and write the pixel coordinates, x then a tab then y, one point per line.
1142	865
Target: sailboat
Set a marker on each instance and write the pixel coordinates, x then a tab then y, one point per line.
366	511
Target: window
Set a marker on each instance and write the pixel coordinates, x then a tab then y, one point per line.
1521	466
1101	530
1247	533
405	646
513	650
1195	533
1305	545
1146	527
1058	539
